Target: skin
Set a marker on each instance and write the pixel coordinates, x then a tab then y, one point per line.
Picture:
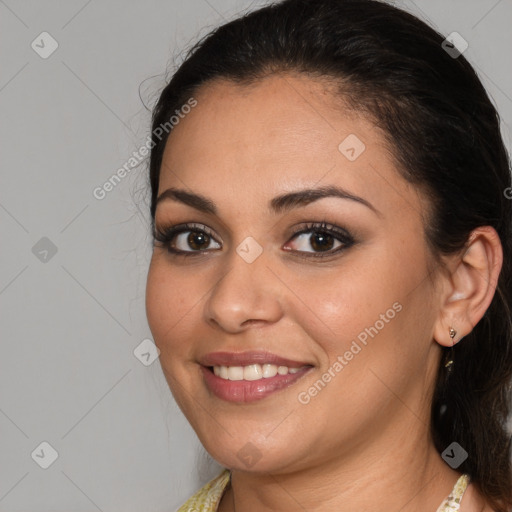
363	441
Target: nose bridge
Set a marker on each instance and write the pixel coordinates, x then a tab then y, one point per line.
246	291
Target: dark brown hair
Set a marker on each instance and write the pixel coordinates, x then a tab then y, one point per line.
445	137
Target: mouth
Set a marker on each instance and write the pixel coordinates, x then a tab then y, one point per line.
254	372
249	376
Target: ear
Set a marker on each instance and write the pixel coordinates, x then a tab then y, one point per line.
469	286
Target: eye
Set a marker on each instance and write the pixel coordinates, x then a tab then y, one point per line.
196	239
324	239
185	238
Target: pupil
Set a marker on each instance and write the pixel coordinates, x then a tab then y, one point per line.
322	241
196	239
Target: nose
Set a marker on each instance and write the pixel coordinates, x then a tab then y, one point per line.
246	294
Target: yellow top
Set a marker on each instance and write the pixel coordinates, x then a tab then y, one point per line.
207	498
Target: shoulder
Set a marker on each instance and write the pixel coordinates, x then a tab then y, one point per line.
208	497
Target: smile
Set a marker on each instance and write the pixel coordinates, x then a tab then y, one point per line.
252	372
244	390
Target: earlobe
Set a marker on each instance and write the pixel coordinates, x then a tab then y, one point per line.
450	337
471	286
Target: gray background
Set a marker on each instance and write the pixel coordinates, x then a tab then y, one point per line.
71	320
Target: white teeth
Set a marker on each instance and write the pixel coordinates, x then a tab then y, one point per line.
282	370
269	370
235	373
252	372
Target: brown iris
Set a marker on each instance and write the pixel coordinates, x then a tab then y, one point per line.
197	239
321	241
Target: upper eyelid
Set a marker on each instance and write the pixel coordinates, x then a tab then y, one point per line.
181	227
339	233
304	227
321	226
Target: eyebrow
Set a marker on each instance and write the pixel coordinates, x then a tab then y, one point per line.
278	204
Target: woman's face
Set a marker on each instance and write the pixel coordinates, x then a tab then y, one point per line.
348	305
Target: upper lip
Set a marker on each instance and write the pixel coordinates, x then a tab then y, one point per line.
247	358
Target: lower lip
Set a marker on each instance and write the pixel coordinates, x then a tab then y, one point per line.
244	391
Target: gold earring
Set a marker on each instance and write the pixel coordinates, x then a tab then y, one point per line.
449	363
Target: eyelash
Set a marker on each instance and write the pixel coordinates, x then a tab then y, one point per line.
165	235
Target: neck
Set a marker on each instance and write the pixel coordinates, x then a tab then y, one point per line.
391	478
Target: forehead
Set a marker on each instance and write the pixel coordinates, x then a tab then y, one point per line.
267	118
279	134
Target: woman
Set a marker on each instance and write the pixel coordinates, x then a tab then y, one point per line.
330	285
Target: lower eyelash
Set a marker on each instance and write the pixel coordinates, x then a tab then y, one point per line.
166	235
323	227
325	254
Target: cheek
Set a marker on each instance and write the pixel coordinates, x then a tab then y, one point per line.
368	306
170	304
170	297
344	301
